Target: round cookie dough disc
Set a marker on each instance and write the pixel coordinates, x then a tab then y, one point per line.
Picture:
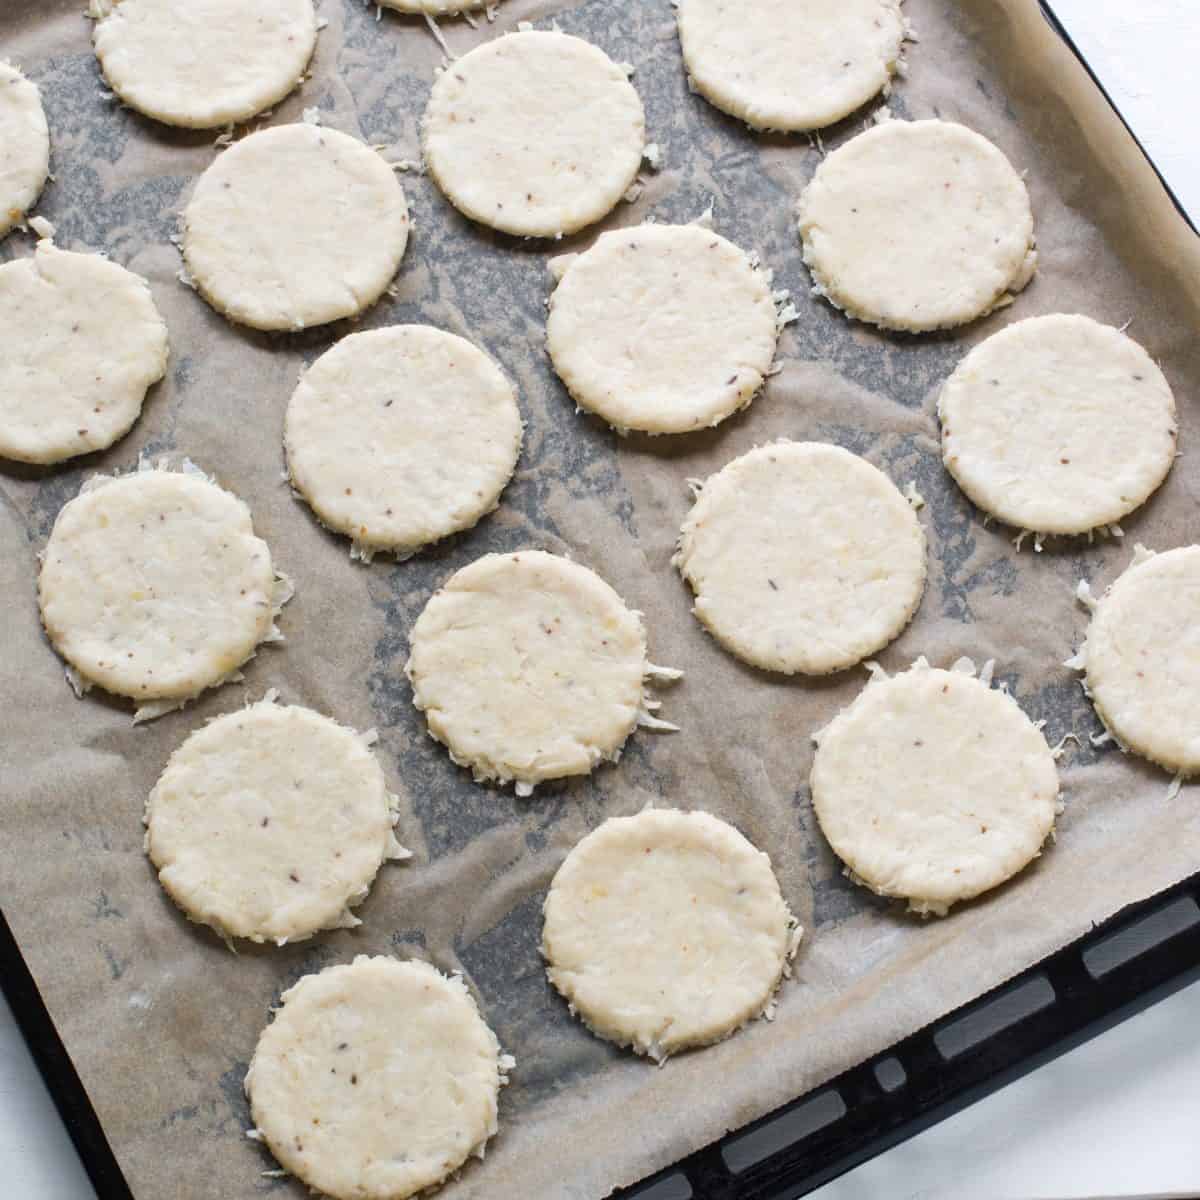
666	930
528	667
82	342
203	63
24	146
917	225
154	586
269	823
400	436
790	64
662	328
535	134
376	1080
803	557
1142	658
1058	424
295	226
934	787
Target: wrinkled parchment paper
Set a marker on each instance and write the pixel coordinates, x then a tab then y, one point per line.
161	1018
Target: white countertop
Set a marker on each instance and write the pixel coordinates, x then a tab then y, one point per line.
1117	1117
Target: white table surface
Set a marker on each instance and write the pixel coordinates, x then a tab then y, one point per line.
1117	1117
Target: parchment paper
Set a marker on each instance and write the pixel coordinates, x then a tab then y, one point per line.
161	1018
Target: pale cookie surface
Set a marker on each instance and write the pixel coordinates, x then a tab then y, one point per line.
154	585
24	146
376	1080
203	63
803	557
1058	424
528	667
295	226
270	823
400	436
662	328
1142	658
666	930
438	8
790	64
934	787
536	134
82	341
917	225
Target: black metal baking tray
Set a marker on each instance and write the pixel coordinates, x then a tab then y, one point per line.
1139	956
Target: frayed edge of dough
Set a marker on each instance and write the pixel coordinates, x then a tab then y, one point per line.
79	685
1060	748
661	675
1041	537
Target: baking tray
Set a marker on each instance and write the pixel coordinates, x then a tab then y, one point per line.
1137	957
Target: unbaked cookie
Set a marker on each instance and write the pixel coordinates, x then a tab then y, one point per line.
1142	658
803	557
791	64
24	146
376	1080
917	225
295	226
400	436
666	930
271	823
529	667
82	341
154	586
536	134
933	786
203	63
438	8
1058	425
662	328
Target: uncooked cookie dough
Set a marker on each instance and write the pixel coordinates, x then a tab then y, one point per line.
271	823
400	436
1142	658
1058	425
24	146
203	63
376	1080
934	787
82	342
662	328
536	134
666	930
803	557
154	586
791	64
917	225
295	226
529	667
438	8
